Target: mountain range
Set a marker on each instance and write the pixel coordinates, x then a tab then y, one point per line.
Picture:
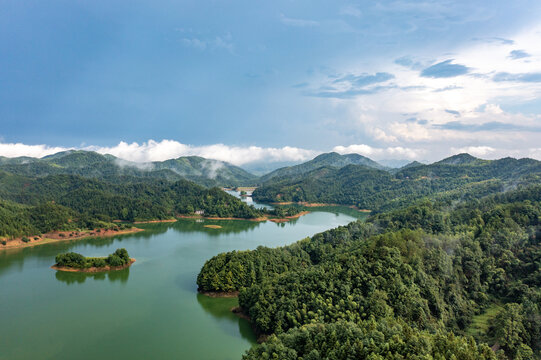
325	169
108	167
375	189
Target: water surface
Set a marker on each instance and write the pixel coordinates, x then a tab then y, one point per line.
151	310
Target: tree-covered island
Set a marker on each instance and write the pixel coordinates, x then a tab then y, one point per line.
72	261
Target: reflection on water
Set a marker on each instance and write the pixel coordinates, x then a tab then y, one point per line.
220	308
156	314
70	278
227	226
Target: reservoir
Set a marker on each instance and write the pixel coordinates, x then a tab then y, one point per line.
149	311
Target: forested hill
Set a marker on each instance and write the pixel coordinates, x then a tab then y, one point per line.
378	190
31	205
107	167
410	283
324	160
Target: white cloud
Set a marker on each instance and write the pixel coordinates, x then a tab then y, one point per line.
224	42
297	22
478	151
412	111
350	10
169	149
396	152
143	153
18	149
195	43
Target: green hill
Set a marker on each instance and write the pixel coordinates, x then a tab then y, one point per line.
36	204
108	167
374	189
405	284
198	169
328	160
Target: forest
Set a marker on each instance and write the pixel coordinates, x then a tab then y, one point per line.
413	282
77	261
107	167
36	205
378	190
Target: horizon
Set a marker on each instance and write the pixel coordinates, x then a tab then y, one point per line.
253	167
254	84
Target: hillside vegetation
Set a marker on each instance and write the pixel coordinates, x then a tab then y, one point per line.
110	168
369	188
406	283
35	205
329	159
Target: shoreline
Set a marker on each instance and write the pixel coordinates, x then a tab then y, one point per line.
220	294
309	204
155	221
236	310
259	219
94	269
287	218
56	236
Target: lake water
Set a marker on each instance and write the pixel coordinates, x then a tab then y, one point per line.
149	311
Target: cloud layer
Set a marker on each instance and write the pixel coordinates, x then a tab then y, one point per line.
169	149
152	150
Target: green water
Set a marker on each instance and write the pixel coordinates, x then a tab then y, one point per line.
149	311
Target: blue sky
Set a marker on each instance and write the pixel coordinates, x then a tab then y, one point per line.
247	81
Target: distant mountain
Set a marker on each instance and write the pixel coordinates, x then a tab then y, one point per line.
17	160
470	167
461	159
375	189
412	164
331	159
394	163
197	168
108	167
262	168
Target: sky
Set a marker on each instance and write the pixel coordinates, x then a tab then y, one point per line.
260	82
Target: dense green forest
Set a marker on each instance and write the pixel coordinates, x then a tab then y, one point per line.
89	164
407	283
34	205
77	261
378	190
329	159
18	220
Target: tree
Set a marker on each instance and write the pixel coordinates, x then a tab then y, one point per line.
509	328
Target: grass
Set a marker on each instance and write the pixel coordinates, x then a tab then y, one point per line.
481	323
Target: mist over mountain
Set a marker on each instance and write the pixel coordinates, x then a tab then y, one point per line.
93	165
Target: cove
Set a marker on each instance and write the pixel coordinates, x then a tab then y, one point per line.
150	310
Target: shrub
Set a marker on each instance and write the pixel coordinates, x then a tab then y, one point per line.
70	259
4	242
114	260
25	239
123	255
98	262
118	258
36	238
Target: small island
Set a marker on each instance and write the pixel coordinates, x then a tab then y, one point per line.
75	262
